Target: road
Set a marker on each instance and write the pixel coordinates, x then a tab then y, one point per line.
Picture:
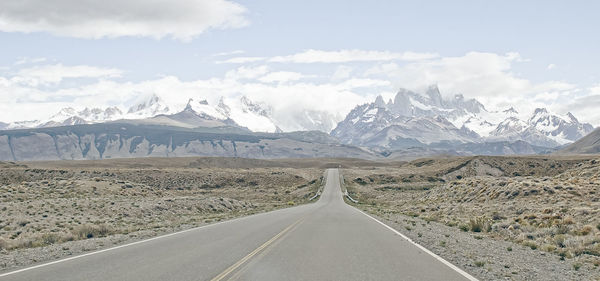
326	240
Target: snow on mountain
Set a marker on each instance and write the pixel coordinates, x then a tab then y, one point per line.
563	130
409	118
246	113
387	126
203	109
147	107
426	118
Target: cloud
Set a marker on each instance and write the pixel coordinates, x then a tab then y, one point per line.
485	76
242	60
584	106
223	54
53	74
343	56
281	76
488	77
28	60
245	72
551	66
91	19
342	72
289	100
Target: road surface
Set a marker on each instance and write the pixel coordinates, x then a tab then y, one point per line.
326	240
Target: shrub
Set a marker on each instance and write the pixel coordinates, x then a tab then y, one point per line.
4	244
479	263
480	224
49	238
91	231
585	230
530	244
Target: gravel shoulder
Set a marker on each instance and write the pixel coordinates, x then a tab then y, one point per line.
486	258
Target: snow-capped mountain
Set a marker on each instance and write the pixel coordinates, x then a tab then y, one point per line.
147	107
414	119
197	112
409	119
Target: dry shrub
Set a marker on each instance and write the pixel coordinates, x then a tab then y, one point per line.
4	244
480	224
585	230
92	231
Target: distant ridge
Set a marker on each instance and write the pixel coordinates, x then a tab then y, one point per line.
589	144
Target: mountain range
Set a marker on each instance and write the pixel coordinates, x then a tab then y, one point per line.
426	119
409	125
242	112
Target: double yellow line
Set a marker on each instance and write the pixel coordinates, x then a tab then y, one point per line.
236	265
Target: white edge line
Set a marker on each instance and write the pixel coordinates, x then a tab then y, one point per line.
452	266
131	244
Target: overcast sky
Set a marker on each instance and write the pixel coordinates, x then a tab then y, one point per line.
327	55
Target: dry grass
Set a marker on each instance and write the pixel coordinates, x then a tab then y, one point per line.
44	205
551	204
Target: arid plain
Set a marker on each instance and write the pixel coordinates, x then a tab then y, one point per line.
510	218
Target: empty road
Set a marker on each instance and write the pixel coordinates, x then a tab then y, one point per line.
326	240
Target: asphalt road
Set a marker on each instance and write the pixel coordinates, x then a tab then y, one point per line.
326	240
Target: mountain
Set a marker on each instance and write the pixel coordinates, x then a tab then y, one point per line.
146	107
123	140
427	119
242	111
589	144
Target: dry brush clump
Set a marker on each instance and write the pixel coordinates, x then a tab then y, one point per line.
547	204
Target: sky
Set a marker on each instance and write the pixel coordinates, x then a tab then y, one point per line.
322	55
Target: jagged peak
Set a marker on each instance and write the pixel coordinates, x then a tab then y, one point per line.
379	102
572	117
188	106
433	88
511	110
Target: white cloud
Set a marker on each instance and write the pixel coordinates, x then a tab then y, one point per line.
244	72
28	60
486	76
223	54
584	105
281	76
551	66
52	74
288	100
241	60
343	56
182	19
342	72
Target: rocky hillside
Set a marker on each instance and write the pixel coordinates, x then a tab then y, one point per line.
587	145
123	140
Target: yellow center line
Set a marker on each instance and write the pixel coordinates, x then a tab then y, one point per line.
236	265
